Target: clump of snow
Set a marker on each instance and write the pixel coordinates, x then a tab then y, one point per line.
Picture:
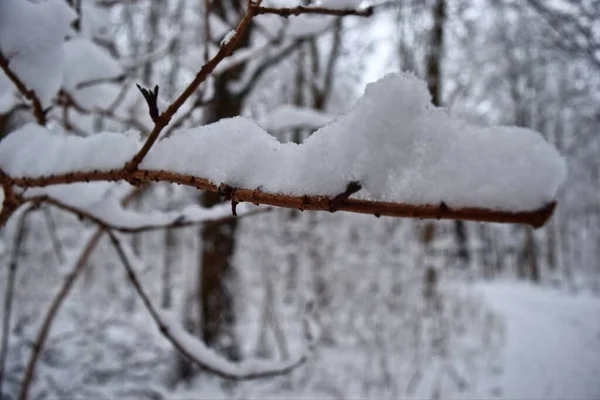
35	151
87	62
228	36
31	38
95	20
288	116
393	141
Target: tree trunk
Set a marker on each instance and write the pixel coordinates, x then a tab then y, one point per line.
218	239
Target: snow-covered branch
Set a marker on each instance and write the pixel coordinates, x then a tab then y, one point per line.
190	346
409	159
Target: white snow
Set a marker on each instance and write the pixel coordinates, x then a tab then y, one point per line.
393	141
228	36
36	151
213	360
552	348
86	62
31	38
289	116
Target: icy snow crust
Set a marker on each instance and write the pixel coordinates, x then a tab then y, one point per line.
393	141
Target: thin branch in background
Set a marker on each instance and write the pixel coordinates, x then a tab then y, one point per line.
174	224
38	110
11	201
60	297
10	289
286	12
183	348
163	119
53	232
57	302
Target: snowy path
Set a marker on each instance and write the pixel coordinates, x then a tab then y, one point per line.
552	348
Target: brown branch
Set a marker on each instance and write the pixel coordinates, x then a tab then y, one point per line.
171	337
67	101
11	201
53	233
163	119
286	12
38	110
175	223
535	218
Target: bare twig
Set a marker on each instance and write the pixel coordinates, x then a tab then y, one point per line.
61	295
535	218
10	288
183	349
286	12
38	110
163	119
175	223
52	311
53	232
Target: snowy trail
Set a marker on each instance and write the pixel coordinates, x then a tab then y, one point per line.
552	348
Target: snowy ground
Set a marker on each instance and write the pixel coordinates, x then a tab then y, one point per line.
552	347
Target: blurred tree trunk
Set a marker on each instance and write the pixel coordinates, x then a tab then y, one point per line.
218	239
434	81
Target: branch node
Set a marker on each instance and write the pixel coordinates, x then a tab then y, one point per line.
151	97
351	188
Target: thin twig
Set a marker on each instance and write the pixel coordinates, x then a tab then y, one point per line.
38	110
40	340
166	332
175	223
61	296
286	12
10	290
163	119
535	218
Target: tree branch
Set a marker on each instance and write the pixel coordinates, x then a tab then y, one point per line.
38	110
52	311
185	348
10	289
175	223
286	12
535	218
163	119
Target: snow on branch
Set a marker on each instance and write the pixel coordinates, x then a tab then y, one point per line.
409	158
192	348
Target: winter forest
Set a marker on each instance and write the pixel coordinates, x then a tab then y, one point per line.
336	199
